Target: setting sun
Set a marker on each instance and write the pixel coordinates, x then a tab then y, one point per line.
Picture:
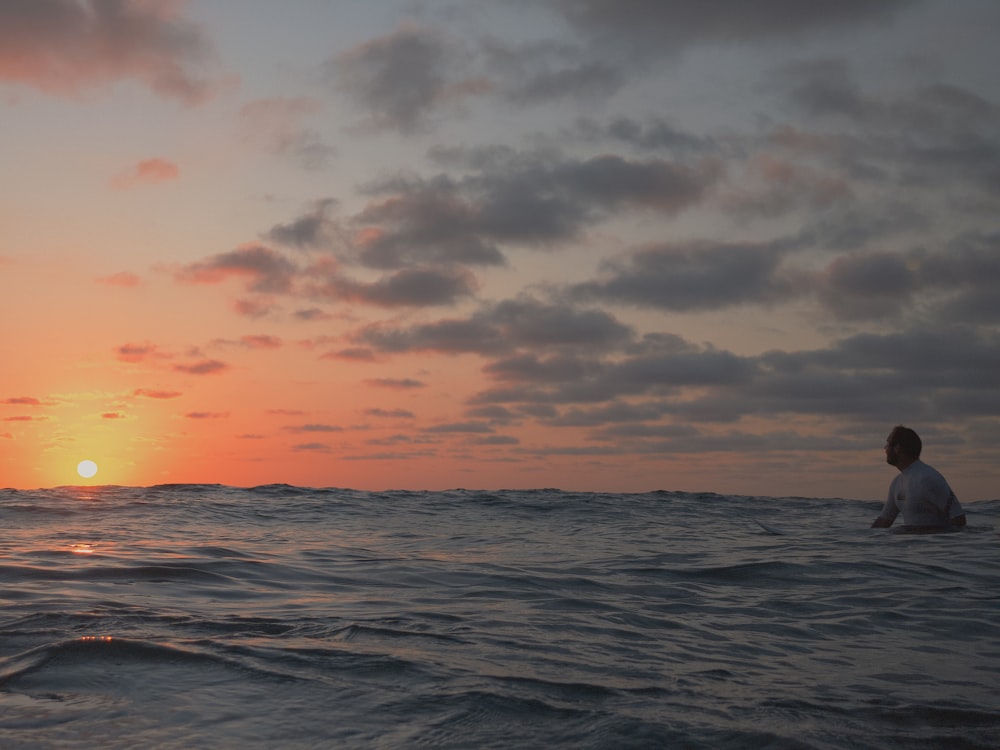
86	469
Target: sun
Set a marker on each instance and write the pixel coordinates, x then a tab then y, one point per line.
86	469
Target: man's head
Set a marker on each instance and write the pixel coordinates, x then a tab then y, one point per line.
903	446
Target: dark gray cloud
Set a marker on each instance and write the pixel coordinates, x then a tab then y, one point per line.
390	413
265	269
956	282
64	46
503	328
662	27
694	276
409	287
651	134
202	367
314	427
544	72
398	384
919	139
860	225
461	427
663	397
516	198
399	79
314	229
402	80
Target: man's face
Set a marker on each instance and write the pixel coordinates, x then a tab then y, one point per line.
891	450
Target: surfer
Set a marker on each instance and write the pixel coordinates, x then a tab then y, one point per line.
918	491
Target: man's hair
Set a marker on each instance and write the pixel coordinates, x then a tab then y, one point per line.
907	440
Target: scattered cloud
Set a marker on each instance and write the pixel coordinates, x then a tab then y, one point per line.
261	341
265	269
313	230
202	367
146	172
135	352
658	28
398	384
156	394
311	448
390	413
400	79
122	279
314	428
64	47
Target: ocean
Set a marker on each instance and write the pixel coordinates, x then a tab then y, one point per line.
207	616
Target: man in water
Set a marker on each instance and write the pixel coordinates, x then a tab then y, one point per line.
919	491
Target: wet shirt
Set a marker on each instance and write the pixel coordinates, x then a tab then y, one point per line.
923	496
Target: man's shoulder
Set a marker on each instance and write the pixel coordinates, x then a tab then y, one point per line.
919	468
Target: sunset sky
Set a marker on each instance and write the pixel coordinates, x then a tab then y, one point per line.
618	245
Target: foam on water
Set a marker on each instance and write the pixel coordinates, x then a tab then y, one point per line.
207	616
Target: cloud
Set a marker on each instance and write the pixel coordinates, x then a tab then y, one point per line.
203	367
314	428
543	72
123	279
500	328
692	276
265	269
401	78
206	415
352	354
261	341
656	28
157	394
527	199
665	394
461	427
389	414
916	140
23	401
413	287
658	364
651	134
311	314
949	283
146	172
496	440
775	186
311	448
254	308
135	352
65	46
314	229
397	384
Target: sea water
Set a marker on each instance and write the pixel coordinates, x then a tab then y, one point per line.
198	616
